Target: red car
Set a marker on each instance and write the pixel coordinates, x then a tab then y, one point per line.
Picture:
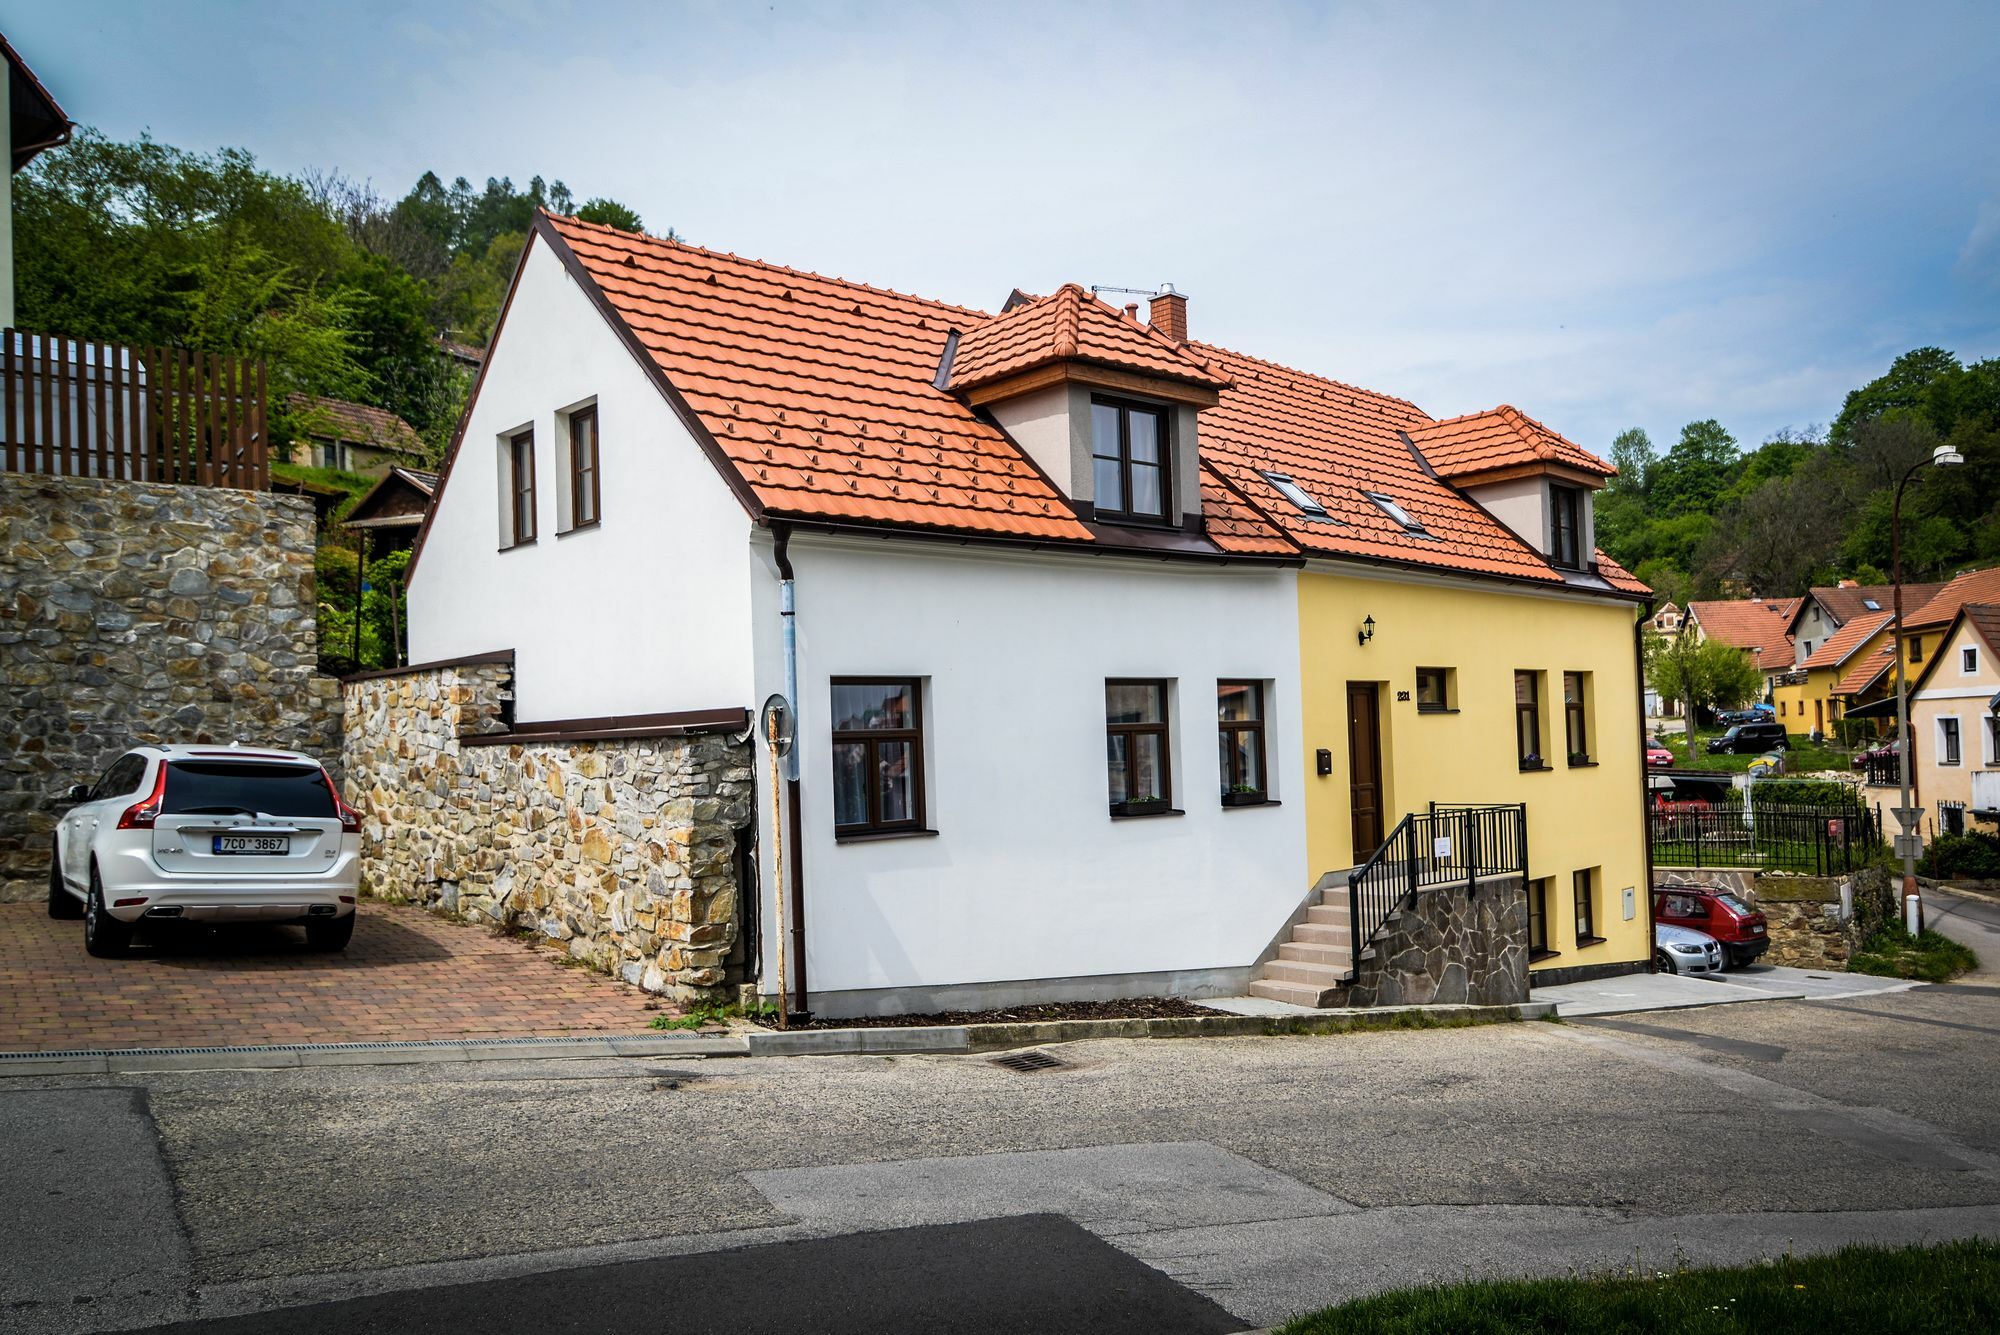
1657	755
1882	753
1739	929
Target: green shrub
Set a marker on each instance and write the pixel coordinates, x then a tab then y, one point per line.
1962	857
1931	956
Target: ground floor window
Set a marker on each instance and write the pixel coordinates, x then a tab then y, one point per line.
1586	906
1138	761
878	755
1538	917
1240	737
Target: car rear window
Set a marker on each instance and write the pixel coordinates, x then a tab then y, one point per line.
1733	904
222	787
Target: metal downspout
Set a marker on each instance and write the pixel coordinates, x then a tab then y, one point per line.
1645	792
789	764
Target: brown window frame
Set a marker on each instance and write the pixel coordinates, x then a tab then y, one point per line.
1228	728
521	498
1916	648
1565	503
871	738
1583	889
1164	728
1126	407
579	475
1951	742
1444	690
1576	731
1533	709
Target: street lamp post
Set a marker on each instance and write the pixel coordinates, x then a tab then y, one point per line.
1907	816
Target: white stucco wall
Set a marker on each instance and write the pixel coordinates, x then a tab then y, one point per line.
1029	876
648	612
1522	504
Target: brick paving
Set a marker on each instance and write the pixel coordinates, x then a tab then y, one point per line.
406	976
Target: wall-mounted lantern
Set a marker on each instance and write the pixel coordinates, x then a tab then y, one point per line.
1367	631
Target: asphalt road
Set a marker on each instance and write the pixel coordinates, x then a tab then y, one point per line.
1971	920
1264	1176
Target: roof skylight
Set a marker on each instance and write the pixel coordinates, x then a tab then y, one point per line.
1296	494
1394	511
1871	604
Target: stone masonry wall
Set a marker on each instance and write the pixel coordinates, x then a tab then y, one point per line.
624	850
145	612
1451	948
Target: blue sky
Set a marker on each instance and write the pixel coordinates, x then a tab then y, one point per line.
1607	215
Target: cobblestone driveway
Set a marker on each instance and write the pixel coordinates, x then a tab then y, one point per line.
406	976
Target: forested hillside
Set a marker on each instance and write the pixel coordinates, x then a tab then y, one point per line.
340	291
1707	519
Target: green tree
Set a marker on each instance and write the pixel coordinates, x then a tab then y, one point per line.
610	213
1702	674
1696	471
1632	454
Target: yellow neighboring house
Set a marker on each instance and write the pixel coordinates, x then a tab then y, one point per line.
1955	724
1808	698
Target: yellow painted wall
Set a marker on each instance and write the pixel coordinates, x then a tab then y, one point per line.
1578	817
1795	703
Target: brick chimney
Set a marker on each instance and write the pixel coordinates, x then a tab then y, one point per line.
1850	584
1168	314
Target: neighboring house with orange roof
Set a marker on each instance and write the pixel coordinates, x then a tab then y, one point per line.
1955	723
1826	608
1815	696
1055	574
1758	626
352	437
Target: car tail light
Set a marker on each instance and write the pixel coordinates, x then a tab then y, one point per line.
142	815
350	819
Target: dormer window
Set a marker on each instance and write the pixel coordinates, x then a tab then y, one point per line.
1129	449
1565	527
1296	494
1871	604
1396	512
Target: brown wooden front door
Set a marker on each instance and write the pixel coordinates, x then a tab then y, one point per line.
1364	767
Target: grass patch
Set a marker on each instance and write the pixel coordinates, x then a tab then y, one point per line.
1951	1287
1803	755
1893	953
715	1012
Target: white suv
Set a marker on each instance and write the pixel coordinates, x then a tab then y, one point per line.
207	834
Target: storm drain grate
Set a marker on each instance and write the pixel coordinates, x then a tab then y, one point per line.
1027	1063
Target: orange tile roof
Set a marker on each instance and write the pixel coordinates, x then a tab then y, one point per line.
1070	325
1974	586
818	399
1618	577
1498	438
1754	624
356	423
1867	670
1840	645
1845	602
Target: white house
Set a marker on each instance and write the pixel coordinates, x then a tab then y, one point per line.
1045	650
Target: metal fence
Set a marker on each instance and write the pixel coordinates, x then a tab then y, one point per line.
1823	840
1449	845
77	407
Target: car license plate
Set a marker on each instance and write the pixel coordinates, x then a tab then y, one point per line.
253	843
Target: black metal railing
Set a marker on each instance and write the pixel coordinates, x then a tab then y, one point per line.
1449	845
1881	771
1811	840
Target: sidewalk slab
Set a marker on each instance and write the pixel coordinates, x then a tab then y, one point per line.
1648	992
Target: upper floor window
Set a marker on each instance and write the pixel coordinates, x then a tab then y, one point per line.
1128	445
518	456
1566	527
1947	741
1240	736
1916	648
1137	759
584	491
1968	659
878	755
1528	720
1576	729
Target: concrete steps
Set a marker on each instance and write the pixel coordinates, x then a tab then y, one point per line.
1315	966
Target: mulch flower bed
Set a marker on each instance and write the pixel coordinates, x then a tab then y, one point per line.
1134	1008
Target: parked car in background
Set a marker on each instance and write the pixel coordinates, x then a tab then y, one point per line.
207	834
1882	753
1733	716
1657	754
1684	950
1749	739
1719	912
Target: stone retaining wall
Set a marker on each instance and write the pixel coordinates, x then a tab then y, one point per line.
1450	949
1803	913
626	850
145	612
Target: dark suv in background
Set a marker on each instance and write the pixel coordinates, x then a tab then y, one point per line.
1749	739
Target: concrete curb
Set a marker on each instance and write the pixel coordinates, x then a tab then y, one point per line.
297	1055
982	1037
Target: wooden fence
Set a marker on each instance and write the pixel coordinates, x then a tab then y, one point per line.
84	408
